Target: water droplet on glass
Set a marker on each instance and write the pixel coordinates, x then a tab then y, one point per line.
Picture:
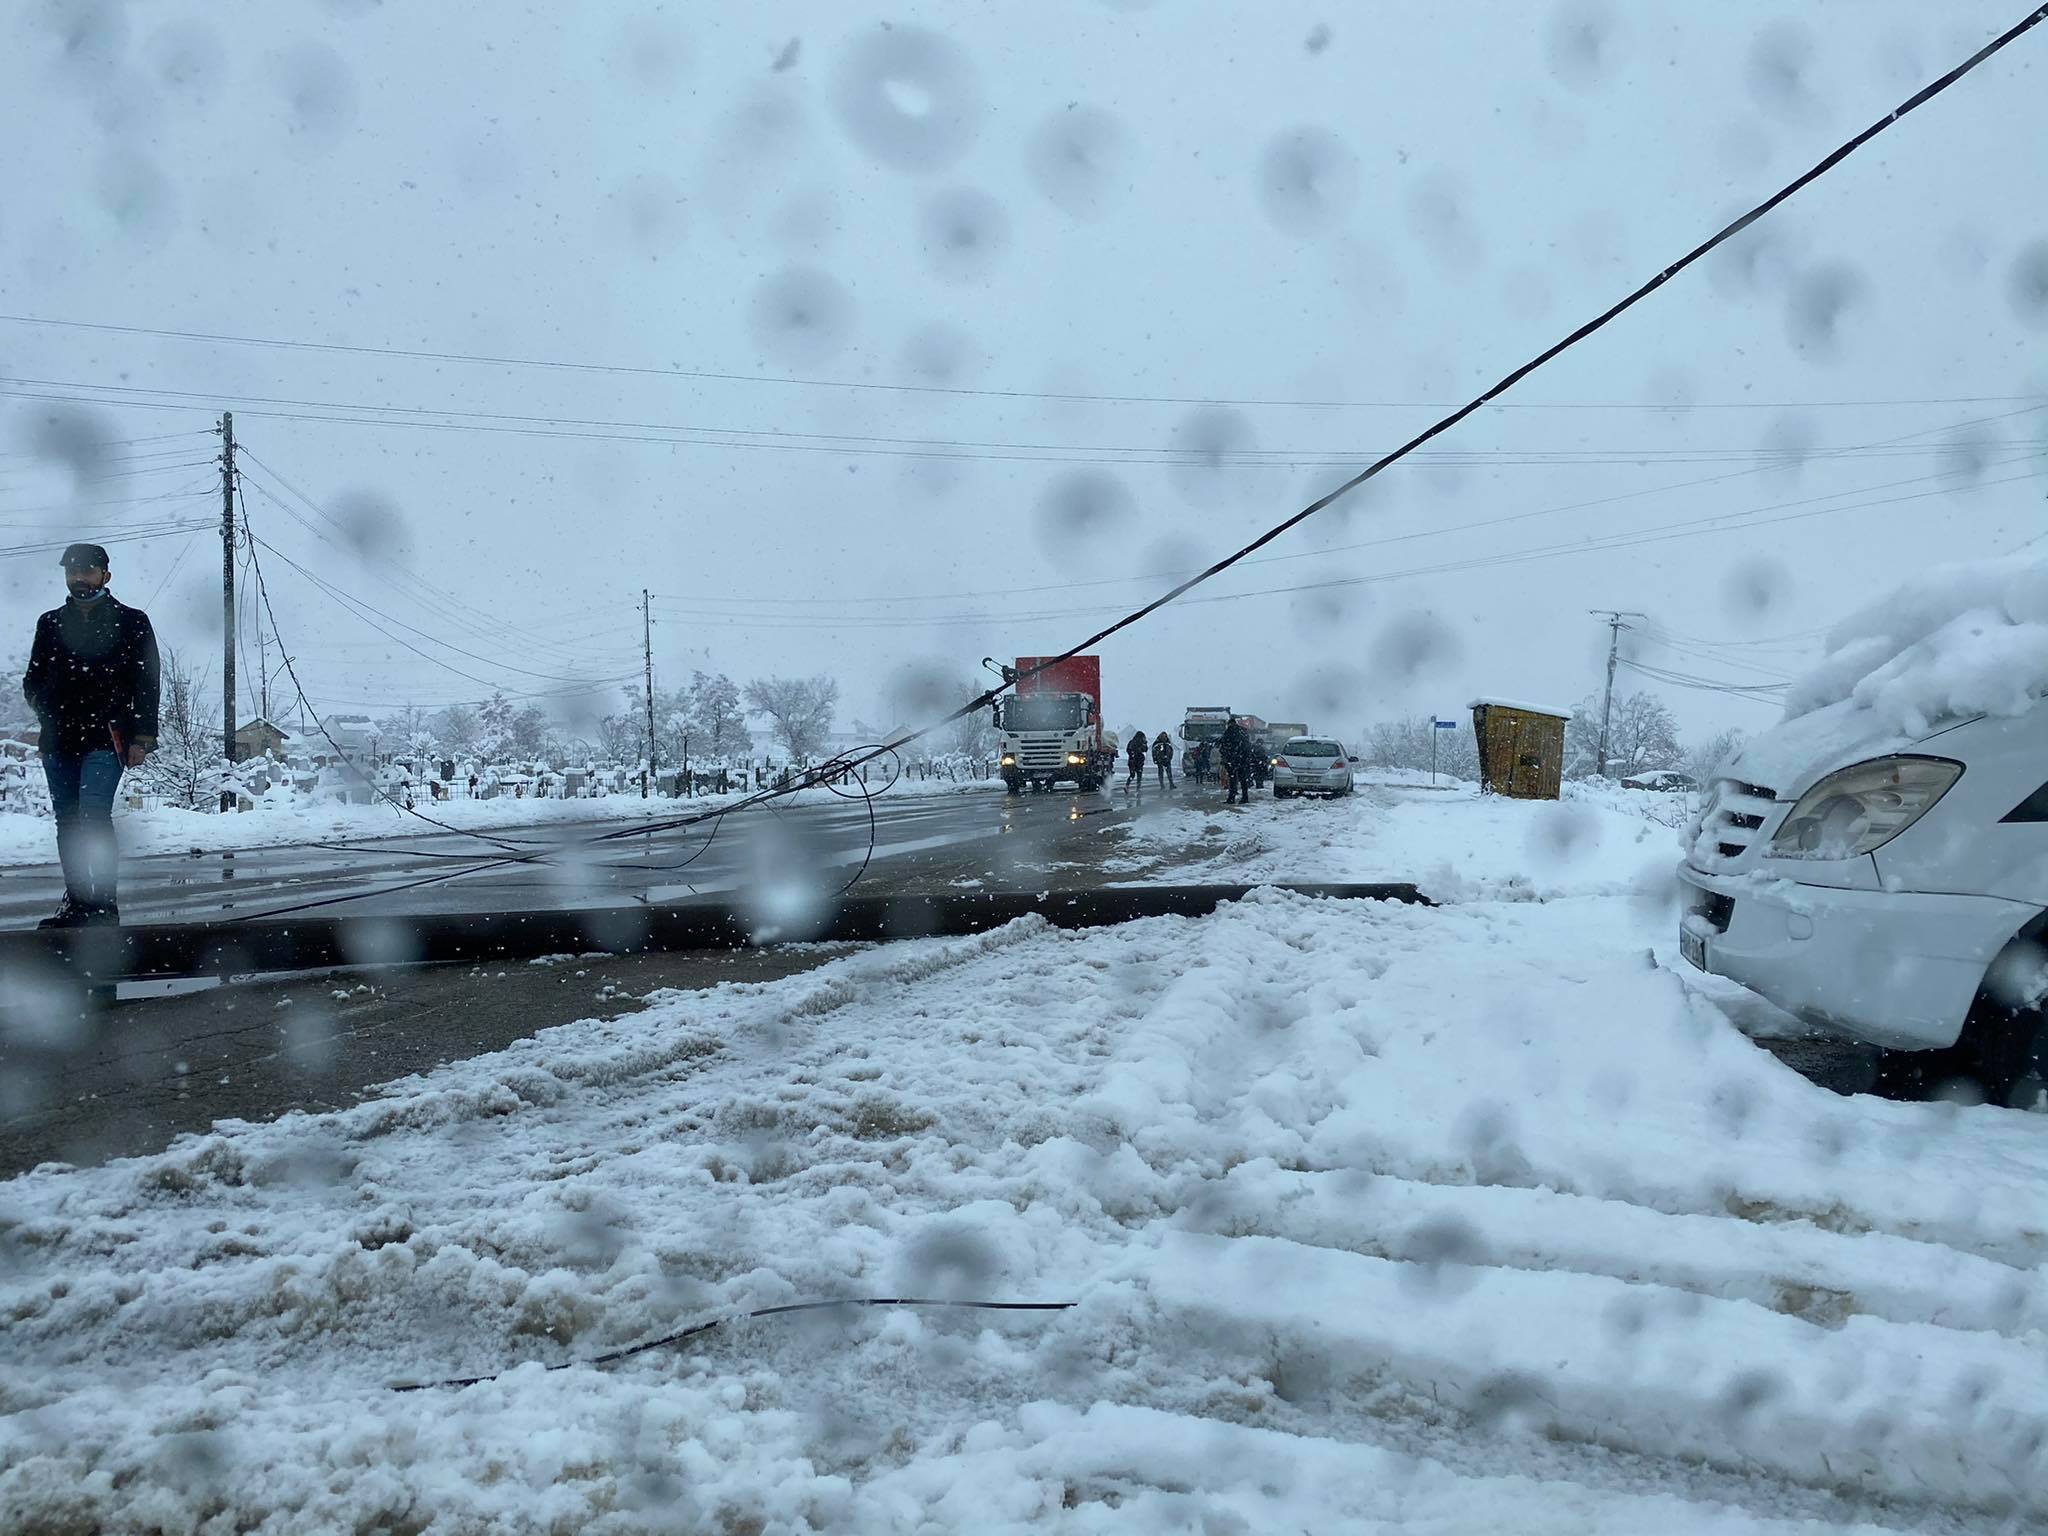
800	315
908	96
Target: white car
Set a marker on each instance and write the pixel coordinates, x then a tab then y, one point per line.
1893	889
1312	765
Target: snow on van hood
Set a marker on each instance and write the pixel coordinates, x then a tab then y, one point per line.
1952	642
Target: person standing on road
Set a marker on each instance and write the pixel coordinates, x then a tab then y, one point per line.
92	681
1162	758
1203	752
1135	762
1237	763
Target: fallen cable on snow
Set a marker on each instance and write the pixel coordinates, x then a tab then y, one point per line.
612	1357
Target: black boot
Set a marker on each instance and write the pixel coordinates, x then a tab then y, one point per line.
69	914
106	915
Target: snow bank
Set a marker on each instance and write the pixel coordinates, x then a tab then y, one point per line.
1466	1219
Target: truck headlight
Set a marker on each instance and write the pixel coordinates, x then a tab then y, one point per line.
1854	810
1076	759
1009	760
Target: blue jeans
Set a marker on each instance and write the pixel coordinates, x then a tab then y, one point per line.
82	788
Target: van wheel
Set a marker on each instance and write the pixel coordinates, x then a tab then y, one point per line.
2006	1050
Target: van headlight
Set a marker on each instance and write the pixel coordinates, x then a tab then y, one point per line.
1854	810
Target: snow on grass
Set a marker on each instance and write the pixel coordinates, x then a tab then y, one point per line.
284	820
1376	1216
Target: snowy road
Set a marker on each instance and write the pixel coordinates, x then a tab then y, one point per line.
920	842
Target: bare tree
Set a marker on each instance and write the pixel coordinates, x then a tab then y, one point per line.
16	718
621	738
186	768
1408	742
1642	734
1705	759
799	710
974	733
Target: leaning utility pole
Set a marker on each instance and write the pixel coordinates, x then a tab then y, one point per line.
227	598
1614	629
647	650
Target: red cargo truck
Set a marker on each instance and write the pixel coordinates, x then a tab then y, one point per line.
1052	725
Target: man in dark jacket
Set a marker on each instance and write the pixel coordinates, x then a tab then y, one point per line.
92	681
1237	762
1162	758
1134	756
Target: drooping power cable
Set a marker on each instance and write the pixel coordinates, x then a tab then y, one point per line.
1599	322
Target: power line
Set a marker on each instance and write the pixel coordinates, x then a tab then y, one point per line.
1709	525
340	595
1319	553
348	605
46	546
401	580
1597	323
119	442
220	338
291	671
867	445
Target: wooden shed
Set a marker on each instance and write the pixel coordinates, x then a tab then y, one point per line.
1521	748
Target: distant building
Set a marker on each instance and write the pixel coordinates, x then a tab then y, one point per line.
259	738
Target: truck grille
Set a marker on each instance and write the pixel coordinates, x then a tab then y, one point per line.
1734	819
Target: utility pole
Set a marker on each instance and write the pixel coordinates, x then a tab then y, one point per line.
227	598
1614	628
647	650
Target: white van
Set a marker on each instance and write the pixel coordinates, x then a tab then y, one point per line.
1879	865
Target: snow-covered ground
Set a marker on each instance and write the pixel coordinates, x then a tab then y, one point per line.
1452	841
1374	1217
285	819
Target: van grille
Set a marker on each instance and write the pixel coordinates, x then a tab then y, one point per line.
1734	819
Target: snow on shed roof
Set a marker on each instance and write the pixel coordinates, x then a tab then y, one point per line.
1524	707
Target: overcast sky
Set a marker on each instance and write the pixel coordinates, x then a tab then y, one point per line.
1338	218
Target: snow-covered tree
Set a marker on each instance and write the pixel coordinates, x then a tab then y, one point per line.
187	767
718	717
458	730
799	710
1642	734
529	735
494	727
401	729
1704	759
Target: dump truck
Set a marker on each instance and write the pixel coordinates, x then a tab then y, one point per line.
1052	725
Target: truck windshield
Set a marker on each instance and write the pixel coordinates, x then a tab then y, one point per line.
1202	730
1045	712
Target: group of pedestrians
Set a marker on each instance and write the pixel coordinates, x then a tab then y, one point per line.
1236	749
